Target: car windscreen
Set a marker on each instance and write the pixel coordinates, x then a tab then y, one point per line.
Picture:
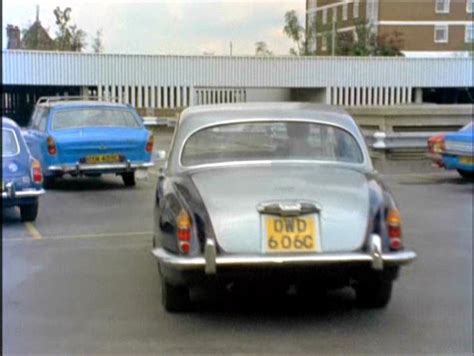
9	143
93	117
254	141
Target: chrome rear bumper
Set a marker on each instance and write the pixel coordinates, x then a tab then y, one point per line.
79	167
210	262
27	193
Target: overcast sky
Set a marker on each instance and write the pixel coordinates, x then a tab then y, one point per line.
168	27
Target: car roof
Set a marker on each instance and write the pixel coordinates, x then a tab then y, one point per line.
200	116
9	123
82	103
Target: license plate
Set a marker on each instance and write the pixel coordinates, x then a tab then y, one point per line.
466	160
290	234
102	159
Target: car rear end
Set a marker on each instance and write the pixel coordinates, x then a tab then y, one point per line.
98	140
300	205
21	174
454	150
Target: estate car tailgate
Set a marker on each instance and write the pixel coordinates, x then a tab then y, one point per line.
75	144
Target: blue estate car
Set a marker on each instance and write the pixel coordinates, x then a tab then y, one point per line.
454	150
21	173
81	136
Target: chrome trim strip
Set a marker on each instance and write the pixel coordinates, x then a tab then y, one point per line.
453	152
27	193
194	263
290	207
94	167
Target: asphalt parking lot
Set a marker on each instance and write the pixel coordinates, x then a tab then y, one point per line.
81	279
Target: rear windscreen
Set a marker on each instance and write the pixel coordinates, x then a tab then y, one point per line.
9	143
276	140
93	117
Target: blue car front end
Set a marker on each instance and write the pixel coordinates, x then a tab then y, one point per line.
21	173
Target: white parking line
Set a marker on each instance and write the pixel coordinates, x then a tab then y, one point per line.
85	236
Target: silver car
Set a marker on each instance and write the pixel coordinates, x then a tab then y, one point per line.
281	192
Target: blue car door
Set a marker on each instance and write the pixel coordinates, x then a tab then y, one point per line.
36	135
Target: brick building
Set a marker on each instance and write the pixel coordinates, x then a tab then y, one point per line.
427	27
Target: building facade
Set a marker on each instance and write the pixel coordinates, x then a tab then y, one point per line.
424	27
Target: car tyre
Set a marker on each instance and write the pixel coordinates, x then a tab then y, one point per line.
374	294
174	298
29	212
466	175
128	179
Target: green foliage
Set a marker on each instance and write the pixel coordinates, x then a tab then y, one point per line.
364	42
295	32
68	37
97	45
261	49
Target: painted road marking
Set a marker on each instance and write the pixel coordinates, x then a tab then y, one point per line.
33	231
85	236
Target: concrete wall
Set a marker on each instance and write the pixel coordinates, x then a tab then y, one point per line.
265	95
412	118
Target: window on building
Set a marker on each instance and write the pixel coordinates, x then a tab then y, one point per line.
442	6
324	43
325	16
441	34
469	36
344	11
356	9
469	6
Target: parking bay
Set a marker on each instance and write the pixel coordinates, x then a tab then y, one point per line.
89	284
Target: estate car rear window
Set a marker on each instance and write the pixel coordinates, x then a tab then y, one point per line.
9	143
253	141
93	117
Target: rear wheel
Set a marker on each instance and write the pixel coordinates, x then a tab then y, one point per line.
174	298
375	293
29	212
128	179
466	175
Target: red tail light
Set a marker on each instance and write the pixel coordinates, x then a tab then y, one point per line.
394	224
36	172
149	144
52	150
183	223
436	144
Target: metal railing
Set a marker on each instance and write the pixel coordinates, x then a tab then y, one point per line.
378	140
400	140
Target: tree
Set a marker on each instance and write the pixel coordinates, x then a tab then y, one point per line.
68	37
296	32
261	49
362	42
97	45
365	42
